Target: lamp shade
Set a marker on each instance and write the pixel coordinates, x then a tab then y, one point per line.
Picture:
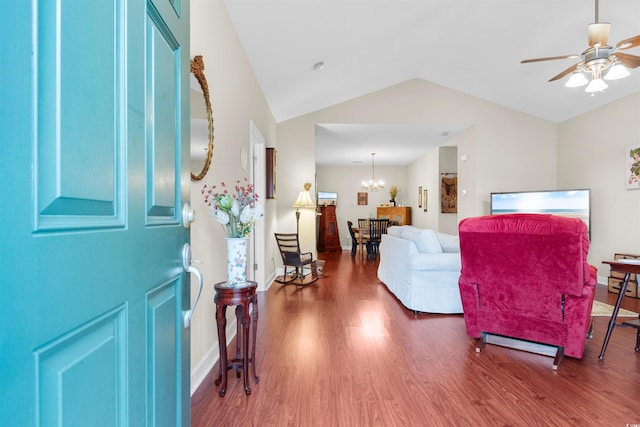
617	71
577	79
304	200
596	85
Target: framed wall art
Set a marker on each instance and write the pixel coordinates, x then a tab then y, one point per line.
632	171
363	199
271	173
449	193
420	196
424	201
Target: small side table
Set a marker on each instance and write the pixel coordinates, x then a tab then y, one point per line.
242	297
627	267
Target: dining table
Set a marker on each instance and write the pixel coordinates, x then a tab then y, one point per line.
362	235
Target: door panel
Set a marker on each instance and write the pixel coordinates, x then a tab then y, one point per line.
162	336
95	350
162	79
92	278
78	144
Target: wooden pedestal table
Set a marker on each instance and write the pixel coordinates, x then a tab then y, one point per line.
242	297
628	267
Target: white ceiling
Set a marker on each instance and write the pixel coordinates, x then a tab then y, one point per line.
352	144
473	46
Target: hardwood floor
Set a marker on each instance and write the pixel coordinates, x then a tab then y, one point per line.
345	352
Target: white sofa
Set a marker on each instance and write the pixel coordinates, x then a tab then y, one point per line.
421	268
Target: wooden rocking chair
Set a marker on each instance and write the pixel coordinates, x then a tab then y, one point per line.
295	260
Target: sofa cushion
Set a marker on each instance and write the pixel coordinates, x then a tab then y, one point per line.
449	242
394	230
399	230
426	240
436	262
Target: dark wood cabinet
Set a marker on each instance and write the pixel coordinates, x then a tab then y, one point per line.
328	236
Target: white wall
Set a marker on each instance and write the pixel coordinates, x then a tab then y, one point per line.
507	150
236	99
296	165
591	154
347	181
448	163
424	173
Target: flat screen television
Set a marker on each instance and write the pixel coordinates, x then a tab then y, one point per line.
570	203
327	198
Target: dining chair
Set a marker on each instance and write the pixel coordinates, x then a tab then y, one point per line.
377	227
356	240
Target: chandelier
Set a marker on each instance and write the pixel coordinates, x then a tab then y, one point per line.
372	184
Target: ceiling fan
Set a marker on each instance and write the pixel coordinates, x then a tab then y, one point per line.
597	58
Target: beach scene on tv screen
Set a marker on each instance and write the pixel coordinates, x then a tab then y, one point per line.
570	203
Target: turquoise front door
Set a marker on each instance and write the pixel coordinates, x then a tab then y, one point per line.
94	137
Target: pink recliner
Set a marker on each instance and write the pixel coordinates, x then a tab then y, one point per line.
526	276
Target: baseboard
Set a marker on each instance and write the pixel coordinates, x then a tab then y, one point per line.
270	281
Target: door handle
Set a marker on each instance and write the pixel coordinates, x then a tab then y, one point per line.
186	264
188	215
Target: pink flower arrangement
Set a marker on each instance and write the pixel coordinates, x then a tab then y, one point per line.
237	212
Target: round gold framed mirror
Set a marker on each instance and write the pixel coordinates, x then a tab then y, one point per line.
201	122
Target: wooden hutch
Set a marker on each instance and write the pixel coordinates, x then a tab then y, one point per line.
398	215
328	236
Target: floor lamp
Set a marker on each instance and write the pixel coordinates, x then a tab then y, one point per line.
303	201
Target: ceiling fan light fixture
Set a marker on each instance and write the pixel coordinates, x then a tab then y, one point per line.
617	71
577	79
596	85
598	60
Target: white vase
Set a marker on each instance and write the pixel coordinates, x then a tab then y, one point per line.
236	260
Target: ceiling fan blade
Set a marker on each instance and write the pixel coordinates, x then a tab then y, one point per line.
549	58
629	61
628	43
599	34
564	73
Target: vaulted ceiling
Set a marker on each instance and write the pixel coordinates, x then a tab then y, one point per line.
472	46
